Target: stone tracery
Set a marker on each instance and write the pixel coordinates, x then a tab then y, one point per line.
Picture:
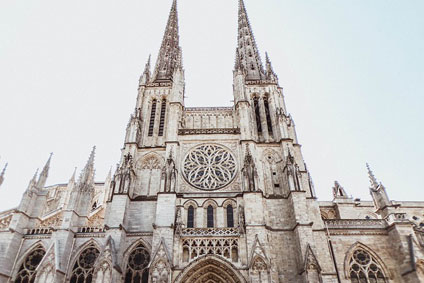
209	167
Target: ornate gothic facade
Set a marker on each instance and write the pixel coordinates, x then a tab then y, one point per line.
213	195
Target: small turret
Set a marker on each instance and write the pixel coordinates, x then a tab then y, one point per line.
2	174
44	173
270	74
378	192
145	77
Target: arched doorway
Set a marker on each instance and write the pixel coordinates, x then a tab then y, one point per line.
210	269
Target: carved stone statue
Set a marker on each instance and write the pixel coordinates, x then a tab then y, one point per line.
170	174
249	172
242	221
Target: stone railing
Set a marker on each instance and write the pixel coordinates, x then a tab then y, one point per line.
209	131
355	223
85	230
39	231
397	217
210	232
419	232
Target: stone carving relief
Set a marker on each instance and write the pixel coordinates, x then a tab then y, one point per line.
250	174
53	221
160	268
124	176
209	167
149	170
169	175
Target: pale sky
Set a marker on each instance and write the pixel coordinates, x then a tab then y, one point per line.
352	73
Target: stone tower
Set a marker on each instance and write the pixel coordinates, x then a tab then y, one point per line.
208	194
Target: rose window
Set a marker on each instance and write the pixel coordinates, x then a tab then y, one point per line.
209	167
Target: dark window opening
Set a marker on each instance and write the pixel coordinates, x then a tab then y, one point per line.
152	118
210	223
257	115
190	217
162	117
268	117
230	216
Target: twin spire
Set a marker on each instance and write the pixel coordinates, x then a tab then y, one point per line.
170	55
247	61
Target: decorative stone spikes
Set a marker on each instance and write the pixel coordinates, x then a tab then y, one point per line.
270	74
373	179
247	55
32	182
169	58
86	179
339	191
145	77
2	174
44	173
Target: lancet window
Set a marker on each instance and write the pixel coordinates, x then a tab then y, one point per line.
364	268
257	115
230	216
82	271
27	271
268	116
137	270
190	217
152	118
162	117
210	216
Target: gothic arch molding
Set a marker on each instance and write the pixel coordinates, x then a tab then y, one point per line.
211	268
189	202
76	257
361	246
151	160
20	263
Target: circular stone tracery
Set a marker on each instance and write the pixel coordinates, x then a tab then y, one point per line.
209	167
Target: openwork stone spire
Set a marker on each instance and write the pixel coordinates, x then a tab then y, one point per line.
247	55
169	57
86	179
44	174
373	179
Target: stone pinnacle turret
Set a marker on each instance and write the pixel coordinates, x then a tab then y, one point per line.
247	54
169	57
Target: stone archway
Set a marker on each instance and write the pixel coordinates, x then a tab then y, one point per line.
210	269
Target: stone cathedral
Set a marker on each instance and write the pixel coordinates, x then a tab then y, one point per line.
208	195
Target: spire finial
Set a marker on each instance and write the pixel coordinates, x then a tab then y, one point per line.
169	57
372	178
87	174
247	56
2	174
339	191
44	173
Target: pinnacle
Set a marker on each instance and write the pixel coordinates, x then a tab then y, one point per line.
247	56
170	52
373	179
47	166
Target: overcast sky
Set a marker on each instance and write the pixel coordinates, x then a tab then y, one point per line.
352	73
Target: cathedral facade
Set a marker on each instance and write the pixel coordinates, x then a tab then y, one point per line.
208	194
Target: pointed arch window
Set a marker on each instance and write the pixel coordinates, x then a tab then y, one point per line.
268	116
162	117
364	268
190	217
210	216
152	118
27	271
257	115
230	216
82	271
137	271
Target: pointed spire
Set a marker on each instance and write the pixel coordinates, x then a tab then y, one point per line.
44	174
270	74
86	178
145	77
247	55
33	181
2	174
373	180
169	57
